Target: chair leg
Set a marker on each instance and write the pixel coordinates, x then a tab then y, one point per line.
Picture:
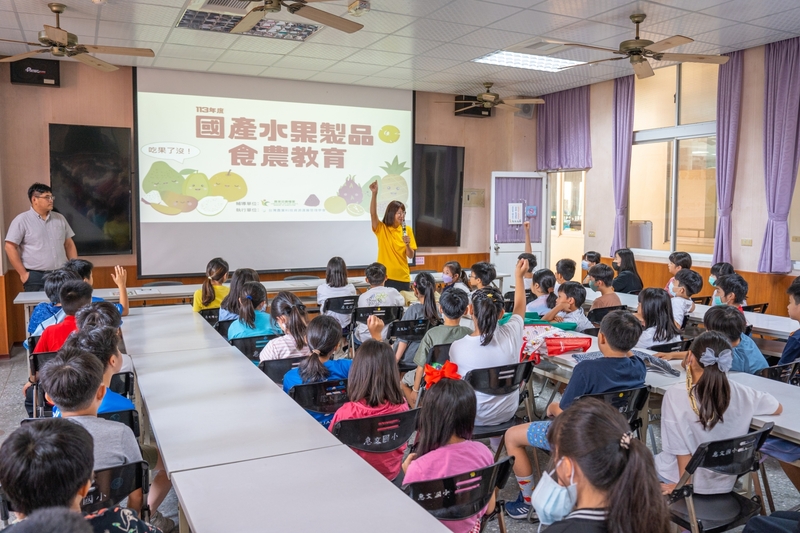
501	512
757	489
771	503
692	515
500	448
652	436
536	463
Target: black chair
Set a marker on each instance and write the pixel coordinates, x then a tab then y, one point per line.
679	346
35	363
596	316
211	315
702	300
123	384
459	497
409	330
323	397
277	368
32	341
756	308
130	418
252	346
592	331
222	327
437	355
628	402
719	512
387	314
787	373
345	306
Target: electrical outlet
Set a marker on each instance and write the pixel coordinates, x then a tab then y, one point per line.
747	242
591	234
795	238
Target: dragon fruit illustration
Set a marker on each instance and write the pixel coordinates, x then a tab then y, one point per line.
351	191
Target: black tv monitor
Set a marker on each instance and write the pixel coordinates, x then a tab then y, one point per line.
438	182
90	174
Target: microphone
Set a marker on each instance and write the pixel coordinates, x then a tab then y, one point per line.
403	225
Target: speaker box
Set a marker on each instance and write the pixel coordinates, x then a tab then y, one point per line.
477	112
36	72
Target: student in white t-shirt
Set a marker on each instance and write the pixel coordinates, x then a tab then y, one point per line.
336	285
569	306
377	296
491	345
713	408
655	314
684	285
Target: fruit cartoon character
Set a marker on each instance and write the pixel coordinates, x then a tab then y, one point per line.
393	186
229	185
211	205
351	191
196	185
162	177
389	134
179	201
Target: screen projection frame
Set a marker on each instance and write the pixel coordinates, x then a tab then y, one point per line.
244	87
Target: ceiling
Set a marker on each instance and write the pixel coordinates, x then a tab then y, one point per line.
425	45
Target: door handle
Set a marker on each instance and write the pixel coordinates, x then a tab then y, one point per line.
497	248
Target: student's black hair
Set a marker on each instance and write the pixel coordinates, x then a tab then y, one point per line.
426	287
546	281
602	272
794	290
44	463
448	408
216	270
391	210
657	313
240	276
627	262
374	376
55	279
574	290
323	336
690	280
336	272
252	295
54	520
74	295
612	466
72	378
82	267
681	259
712	390
487	307
726	320
485	272
722	269
730	283
454	303
531	260
289	305
621	330
566	267
375	274
458	272
98	314
38	189
102	342
592	257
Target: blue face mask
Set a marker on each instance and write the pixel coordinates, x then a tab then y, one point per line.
447	278
712	280
717	300
672	291
552	501
585	264
593	285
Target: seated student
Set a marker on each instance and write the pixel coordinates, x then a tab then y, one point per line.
606	470
777	522
214	290
568	308
102	314
446	423
229	307
252	321
627	280
120	278
719	270
617	370
589	260
792	349
601	279
290	314
730	290
453	305
49	463
454	277
491	345
49	313
336	285
655	313
424	289
731	324
714	408
377	296
543	288
482	275
685	284
373	387
527	280
53	520
73	295
677	261
565	271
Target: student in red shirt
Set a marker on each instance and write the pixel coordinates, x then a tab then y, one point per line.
73	295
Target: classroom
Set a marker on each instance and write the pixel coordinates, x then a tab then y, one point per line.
480	265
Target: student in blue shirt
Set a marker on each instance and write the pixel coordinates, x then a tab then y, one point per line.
47	313
120	278
229	308
730	322
253	321
792	349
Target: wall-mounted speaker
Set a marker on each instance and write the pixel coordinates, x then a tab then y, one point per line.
525	110
36	72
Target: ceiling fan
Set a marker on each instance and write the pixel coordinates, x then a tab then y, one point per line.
61	43
300	8
640	50
489	100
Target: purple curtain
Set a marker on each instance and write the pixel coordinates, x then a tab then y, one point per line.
729	107
781	149
622	142
563	140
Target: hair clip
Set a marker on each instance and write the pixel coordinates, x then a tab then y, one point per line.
209	277
249	297
449	370
724	360
625	441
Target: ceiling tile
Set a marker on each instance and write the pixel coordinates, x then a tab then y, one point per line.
578	8
587	31
381	22
656	12
480	71
11	49
76	26
374	81
360	39
170	3
404	73
333	77
694	5
76	10
495	39
305	63
735	34
470	11
249	58
436	30
140	14
690	25
209	39
416	9
250	43
232	68
182	64
403	45
747	10
288	73
190	52
377	57
459	52
140	32
433	64
533	23
8	20
614	42
6	5
345	67
788	21
323	51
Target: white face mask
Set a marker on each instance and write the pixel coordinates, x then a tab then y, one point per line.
552	501
527	282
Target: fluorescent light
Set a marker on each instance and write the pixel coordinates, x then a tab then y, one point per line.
529	61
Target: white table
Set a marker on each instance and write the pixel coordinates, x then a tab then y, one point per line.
168	328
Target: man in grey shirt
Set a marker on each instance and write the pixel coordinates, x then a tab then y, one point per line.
39	241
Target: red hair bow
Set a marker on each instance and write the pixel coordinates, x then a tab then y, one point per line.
449	370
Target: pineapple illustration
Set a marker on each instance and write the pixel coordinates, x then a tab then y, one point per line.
391	187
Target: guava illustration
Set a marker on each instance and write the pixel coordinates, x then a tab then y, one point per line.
163	209
312	201
335	205
355	210
389	134
181	201
367	194
351	191
162	177
196	185
211	205
153	197
229	185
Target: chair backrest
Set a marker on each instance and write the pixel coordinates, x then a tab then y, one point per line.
163	284
756	308
387	314
438	354
596	316
409	330
377	434
37	360
222	326
628	402
129	417
277	368
679	346
499	380
592	331
341	305
787	373
324	397
252	346
123	383
32	341
461	496
736	456
702	300
211	315
300	277
112	485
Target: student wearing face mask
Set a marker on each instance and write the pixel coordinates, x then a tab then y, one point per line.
454	277
589	260
719	270
601	279
627	280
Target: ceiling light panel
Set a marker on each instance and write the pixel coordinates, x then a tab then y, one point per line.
269	28
505	58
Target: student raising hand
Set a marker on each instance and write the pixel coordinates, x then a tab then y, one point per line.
519	287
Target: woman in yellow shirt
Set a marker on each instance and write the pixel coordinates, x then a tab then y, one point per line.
213	291
396	244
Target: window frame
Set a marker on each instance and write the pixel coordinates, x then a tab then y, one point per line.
558	176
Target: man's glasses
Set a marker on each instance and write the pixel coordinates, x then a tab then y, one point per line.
47	198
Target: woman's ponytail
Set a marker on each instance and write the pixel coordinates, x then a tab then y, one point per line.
712	390
426	286
323	335
546	281
487	304
287	304
216	270
458	272
252	295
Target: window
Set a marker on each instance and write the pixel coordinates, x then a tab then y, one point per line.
794	223
566	201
